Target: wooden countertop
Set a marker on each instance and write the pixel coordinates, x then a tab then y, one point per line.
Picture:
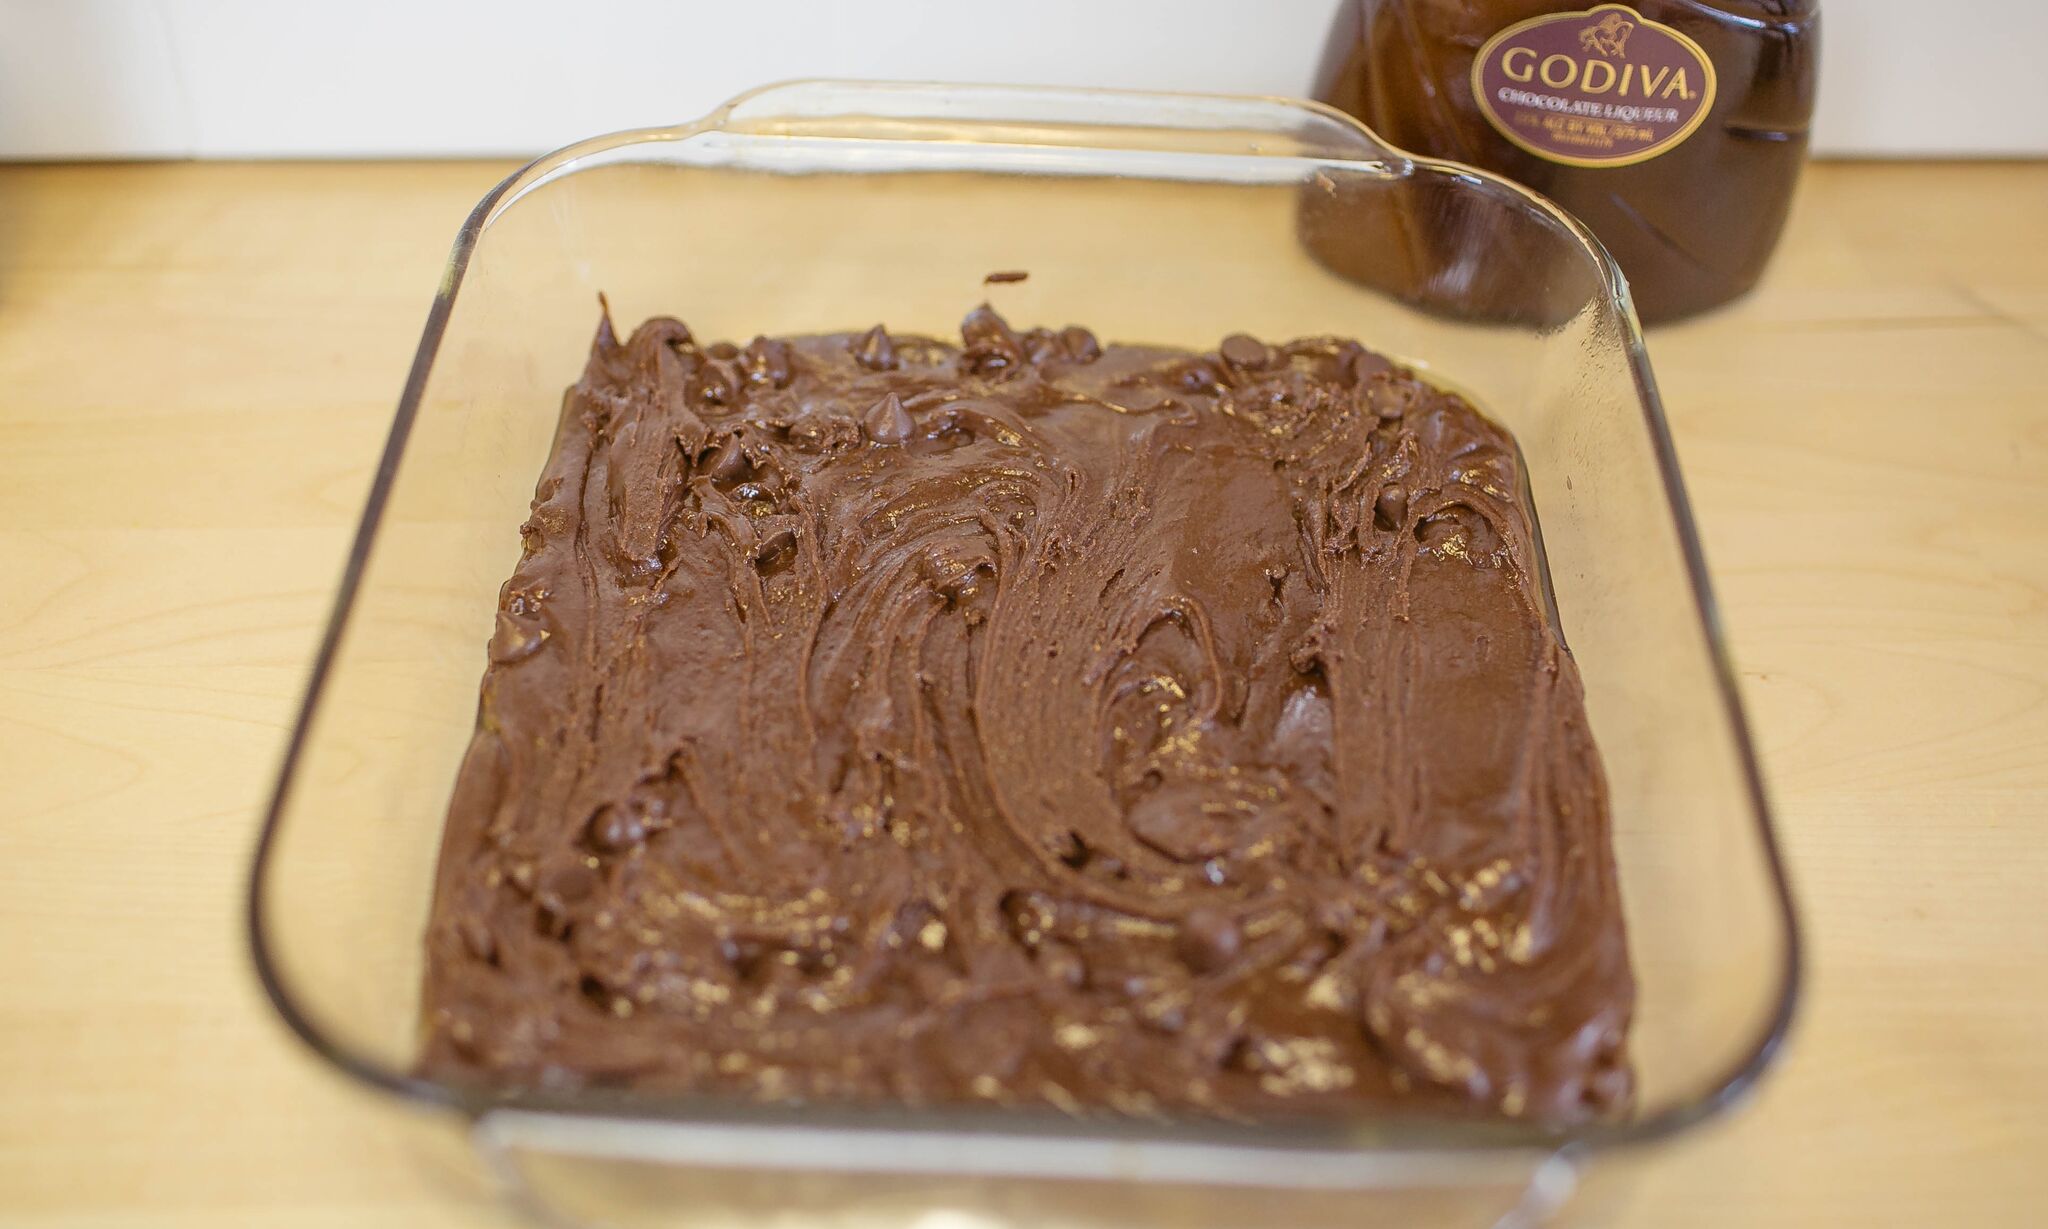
197	368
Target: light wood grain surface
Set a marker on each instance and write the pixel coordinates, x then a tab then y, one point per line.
197	367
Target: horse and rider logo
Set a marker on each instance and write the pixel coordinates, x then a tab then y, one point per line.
1608	36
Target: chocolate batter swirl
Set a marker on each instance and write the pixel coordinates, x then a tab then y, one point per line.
1030	721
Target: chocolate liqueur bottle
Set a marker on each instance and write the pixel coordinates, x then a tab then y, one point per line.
1675	129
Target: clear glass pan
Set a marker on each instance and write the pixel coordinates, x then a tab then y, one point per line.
1171	219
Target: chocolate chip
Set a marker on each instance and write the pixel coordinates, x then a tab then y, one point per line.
887	422
1005	275
1200	377
690	431
722	349
1030	914
1080	343
1389	400
615	829
989	343
1244	351
1365	365
728	462
875	350
775	541
768	362
1390	510
1208	940
1458	529
716	383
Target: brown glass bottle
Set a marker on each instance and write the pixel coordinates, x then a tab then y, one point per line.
1693	223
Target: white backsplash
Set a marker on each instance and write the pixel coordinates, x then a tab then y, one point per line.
264	78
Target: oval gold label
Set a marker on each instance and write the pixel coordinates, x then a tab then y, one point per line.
1604	86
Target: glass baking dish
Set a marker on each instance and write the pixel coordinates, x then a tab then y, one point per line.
1172	219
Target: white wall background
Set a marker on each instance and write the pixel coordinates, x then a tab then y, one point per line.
264	78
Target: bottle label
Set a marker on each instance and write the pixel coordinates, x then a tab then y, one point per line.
1603	86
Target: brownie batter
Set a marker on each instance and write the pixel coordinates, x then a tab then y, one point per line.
1030	721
